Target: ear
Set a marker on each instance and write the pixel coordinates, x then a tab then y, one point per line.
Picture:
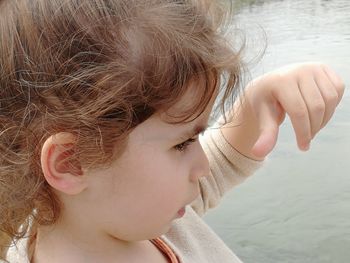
60	171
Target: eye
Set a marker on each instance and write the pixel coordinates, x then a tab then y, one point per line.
183	146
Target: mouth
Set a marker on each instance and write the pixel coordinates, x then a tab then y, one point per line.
181	212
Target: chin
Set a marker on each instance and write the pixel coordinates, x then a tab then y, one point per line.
162	231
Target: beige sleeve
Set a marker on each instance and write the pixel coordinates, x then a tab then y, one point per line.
227	168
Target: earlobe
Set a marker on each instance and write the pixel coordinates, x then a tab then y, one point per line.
60	170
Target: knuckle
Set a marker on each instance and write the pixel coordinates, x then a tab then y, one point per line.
337	80
332	98
325	67
318	107
315	67
299	113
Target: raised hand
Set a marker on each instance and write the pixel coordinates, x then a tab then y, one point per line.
308	93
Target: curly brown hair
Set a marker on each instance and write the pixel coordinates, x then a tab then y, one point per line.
97	69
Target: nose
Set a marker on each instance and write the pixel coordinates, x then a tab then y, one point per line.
200	165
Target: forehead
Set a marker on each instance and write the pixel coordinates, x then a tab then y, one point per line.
161	126
193	95
167	125
156	129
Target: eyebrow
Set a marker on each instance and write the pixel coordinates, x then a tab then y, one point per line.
197	129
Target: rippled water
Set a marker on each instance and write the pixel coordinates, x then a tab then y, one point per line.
297	207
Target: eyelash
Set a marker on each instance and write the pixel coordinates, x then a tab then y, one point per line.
183	146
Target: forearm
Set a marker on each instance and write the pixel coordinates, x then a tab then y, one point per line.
242	130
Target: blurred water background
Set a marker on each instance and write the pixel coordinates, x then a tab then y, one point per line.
297	207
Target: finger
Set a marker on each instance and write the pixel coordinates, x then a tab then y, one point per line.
314	102
293	103
330	96
336	80
268	132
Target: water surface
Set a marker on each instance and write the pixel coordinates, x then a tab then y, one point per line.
297	207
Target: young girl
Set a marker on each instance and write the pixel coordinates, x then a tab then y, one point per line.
101	106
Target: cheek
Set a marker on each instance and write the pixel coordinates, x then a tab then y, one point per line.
144	199
153	176
160	182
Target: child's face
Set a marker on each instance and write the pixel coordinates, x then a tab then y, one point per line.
142	192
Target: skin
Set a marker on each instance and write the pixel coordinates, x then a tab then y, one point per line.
110	214
135	199
308	93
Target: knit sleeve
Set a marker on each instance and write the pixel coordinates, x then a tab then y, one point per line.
227	168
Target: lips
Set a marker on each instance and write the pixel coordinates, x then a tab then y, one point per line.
181	212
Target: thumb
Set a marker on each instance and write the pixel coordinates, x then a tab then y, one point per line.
268	135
